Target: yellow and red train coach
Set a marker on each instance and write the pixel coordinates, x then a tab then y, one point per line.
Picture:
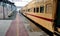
44	13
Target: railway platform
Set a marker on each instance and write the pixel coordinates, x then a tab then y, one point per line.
20	26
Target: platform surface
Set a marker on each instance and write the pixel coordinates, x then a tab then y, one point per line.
20	26
4	26
17	28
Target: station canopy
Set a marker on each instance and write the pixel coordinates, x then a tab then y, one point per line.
6	1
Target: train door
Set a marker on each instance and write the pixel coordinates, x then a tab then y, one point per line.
57	19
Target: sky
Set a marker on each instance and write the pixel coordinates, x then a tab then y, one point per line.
20	2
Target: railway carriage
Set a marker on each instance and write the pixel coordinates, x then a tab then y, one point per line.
45	14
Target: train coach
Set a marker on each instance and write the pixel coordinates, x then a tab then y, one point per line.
45	14
6	9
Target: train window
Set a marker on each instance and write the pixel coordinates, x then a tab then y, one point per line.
49	8
28	10
41	9
37	9
34	9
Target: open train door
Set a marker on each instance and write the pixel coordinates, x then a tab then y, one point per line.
57	19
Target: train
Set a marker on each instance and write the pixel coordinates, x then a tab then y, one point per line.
45	14
6	9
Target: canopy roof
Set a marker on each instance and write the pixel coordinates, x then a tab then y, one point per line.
6	1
